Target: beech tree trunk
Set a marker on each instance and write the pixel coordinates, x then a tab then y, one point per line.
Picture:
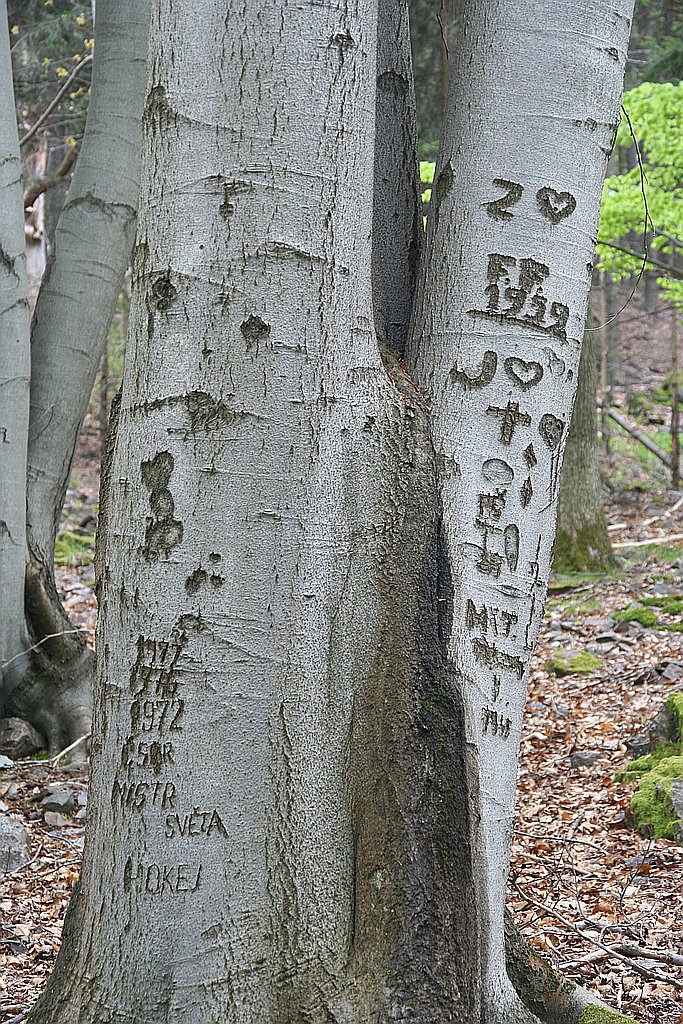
321	578
14	365
52	687
582	542
497	333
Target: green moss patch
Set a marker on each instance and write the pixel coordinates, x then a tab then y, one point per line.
672	605
675	706
641	766
563	581
644	613
573	664
645	616
74	548
651	806
599	1015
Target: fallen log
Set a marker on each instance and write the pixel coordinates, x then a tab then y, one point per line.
642	438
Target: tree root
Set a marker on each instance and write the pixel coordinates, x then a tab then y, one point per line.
551	998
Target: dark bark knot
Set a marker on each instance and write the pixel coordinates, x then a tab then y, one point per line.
197	579
163	532
158	111
391	81
255	330
7	262
163	292
207	413
343	40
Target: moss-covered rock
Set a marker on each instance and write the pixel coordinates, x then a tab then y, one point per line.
675	705
600	1015
657	803
645	616
573	664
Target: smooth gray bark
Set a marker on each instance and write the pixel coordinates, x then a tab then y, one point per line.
92	249
14	366
397	231
268	572
302	732
533	104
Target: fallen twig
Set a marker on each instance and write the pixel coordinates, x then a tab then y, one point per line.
648	543
54	761
610	950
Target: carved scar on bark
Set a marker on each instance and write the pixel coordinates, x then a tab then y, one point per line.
487	371
490	655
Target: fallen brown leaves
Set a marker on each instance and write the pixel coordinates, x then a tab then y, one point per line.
602	903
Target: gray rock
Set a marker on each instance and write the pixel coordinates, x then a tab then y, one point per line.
5	763
584	758
639	745
19	739
676	800
61	800
14	845
663	728
55	820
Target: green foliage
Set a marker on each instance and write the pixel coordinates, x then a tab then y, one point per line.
655	110
48	40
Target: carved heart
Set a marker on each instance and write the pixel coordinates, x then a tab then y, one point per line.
551	430
522	373
555	205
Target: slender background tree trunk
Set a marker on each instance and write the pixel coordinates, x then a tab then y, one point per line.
91	252
14	370
582	541
397	231
14	373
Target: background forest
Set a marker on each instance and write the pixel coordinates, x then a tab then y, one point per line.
597	881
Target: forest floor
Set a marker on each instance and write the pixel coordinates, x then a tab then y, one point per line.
585	887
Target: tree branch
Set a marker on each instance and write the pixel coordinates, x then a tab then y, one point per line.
668	270
50	180
57	100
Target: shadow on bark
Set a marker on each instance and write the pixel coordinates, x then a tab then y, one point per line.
54	688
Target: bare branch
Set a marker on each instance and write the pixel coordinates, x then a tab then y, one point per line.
57	100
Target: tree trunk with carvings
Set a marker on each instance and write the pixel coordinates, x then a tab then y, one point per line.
51	686
322	571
